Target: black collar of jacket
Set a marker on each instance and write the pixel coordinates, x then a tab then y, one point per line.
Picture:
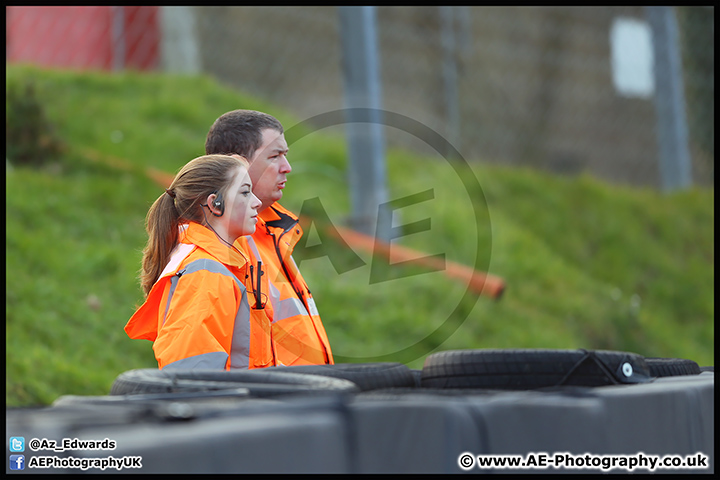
286	222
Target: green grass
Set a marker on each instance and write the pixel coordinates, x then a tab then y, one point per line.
587	264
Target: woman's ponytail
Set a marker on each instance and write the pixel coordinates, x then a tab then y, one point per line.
162	225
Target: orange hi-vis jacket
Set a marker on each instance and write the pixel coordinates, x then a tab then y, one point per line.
298	335
198	312
203	310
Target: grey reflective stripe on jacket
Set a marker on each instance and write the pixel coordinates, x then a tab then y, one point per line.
287	308
240	348
211	360
253	247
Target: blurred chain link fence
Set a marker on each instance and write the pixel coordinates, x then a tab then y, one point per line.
567	89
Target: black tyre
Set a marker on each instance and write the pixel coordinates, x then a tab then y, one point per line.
528	369
259	383
367	376
167	406
669	367
417	375
151	398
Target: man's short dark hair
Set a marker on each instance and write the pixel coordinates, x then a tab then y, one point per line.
239	131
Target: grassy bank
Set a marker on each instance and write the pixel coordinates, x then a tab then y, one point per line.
587	264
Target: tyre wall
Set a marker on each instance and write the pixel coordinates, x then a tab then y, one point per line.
393	430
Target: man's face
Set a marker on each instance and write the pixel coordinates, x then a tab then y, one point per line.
268	168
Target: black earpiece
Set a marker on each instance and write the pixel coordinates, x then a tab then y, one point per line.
219	204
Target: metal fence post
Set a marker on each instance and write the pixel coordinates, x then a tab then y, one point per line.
179	42
118	38
366	150
450	74
672	129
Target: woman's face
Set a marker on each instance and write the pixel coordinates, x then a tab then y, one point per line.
241	206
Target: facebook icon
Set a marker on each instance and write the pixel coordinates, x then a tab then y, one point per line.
17	462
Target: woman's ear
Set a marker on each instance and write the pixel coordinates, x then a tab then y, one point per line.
216	204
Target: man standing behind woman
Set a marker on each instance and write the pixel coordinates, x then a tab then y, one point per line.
217	297
295	329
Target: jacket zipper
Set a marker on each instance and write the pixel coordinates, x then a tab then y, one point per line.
276	243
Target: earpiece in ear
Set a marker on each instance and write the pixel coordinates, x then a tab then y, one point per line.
219	204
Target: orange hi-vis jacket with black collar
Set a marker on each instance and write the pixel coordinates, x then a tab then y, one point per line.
298	335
